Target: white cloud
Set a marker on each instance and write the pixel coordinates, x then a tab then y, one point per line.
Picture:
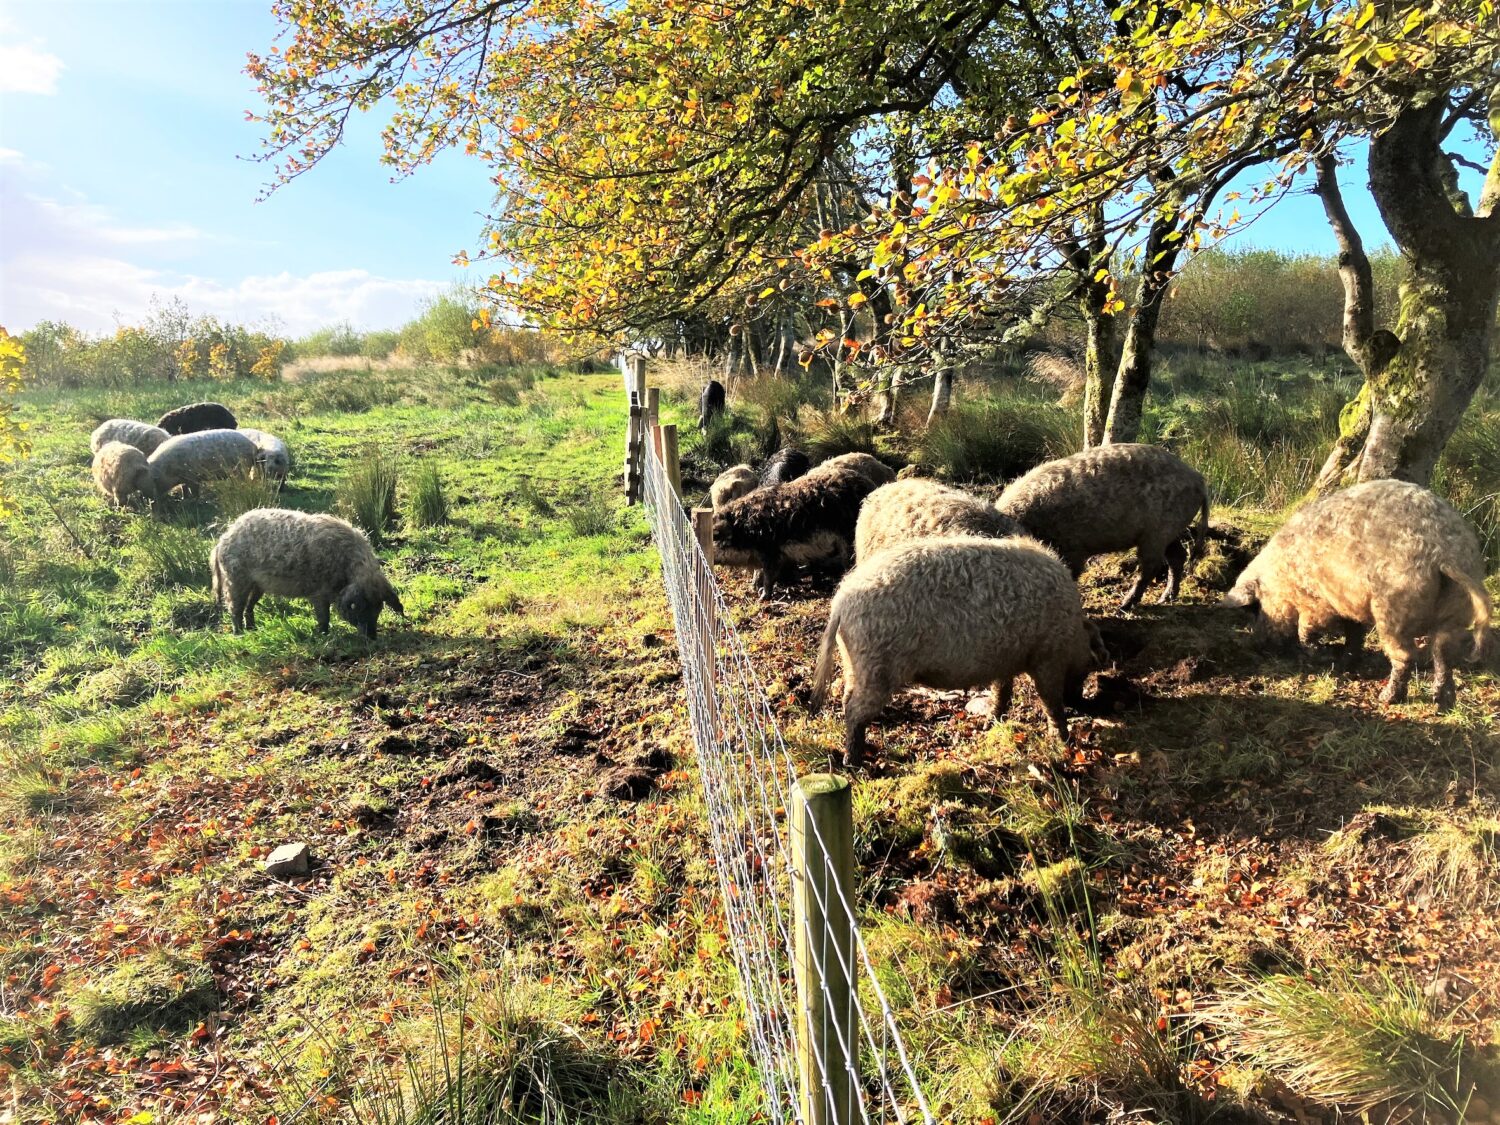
97	293
25	68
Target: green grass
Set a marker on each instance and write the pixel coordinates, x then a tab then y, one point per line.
486	935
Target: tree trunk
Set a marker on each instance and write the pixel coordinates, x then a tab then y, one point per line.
1411	405
1127	398
890	393
1100	359
942	393
1417	403
732	356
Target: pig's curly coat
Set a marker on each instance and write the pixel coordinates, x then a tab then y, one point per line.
1386	554
273	457
876	470
298	555
1112	498
955	612
197	417
924	509
121	470
731	484
808	520
142	435
191	460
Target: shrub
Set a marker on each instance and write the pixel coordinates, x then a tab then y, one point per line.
366	496
427	506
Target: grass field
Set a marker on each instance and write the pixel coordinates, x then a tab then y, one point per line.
1243	890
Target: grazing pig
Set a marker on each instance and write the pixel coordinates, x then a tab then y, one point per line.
924	509
197	417
731	484
142	435
810	520
297	555
120	471
1112	498
877	471
710	404
955	612
273	458
192	460
784	465
1386	554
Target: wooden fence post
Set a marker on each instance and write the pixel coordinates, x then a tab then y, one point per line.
708	611
634	436
638	378
670	458
653	406
822	841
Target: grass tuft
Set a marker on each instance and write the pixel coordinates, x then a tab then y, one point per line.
234	496
366	496
427	506
1356	1043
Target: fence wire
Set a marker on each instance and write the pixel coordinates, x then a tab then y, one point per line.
749	780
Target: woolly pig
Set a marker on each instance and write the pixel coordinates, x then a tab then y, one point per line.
877	471
1113	498
197	417
923	509
121	470
194	459
731	484
1386	554
297	555
710	403
272	456
955	612
142	435
808	520
784	465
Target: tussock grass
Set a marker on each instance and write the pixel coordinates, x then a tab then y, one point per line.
832	435
1439	854
234	496
427	502
593	513
164	555
1359	1043
997	439
366	495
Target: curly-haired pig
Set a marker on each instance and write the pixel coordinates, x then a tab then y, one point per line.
1384	554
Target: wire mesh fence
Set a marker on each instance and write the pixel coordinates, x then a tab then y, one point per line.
831	1053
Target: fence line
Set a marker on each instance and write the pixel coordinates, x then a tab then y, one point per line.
750	781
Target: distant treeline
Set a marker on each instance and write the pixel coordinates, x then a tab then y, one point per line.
1258	303
170	344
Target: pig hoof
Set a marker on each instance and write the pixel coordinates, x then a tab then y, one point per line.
1392	694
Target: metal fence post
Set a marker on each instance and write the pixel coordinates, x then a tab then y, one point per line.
822	842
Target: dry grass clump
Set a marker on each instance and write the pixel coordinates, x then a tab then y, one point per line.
1363	1044
1447	856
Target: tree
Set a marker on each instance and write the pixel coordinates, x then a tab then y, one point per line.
13	443
656	157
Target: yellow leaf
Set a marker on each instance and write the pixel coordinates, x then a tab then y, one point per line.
857	299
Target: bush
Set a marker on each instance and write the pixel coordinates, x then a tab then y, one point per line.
428	504
366	496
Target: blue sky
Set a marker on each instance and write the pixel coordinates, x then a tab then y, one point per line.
122	175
